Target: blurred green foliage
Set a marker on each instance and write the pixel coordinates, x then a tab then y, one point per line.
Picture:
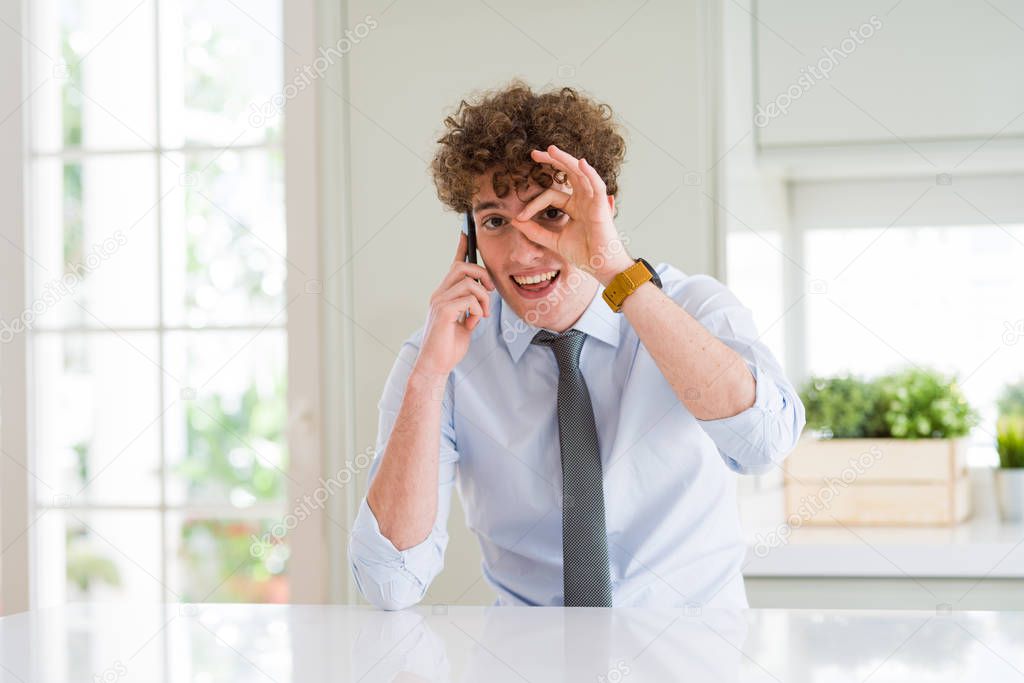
86	566
1011	400
842	407
924	404
915	403
1010	440
222	567
236	447
1010	425
235	450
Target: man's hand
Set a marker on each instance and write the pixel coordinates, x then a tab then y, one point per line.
589	240
446	335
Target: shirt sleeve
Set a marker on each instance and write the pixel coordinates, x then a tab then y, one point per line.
756	439
390	578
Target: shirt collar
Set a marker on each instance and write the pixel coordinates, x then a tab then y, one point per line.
598	321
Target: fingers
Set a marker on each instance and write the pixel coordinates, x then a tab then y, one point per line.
589	181
566	162
475	289
535	233
463	288
573	175
551	156
549	197
600	189
454	309
529	227
462	270
460	250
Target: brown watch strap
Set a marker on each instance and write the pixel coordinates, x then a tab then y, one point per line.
624	284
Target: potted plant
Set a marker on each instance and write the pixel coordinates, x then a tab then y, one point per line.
891	450
843	407
1010	446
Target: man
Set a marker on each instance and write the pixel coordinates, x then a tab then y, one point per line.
591	408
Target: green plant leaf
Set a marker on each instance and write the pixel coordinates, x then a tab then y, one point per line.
910	404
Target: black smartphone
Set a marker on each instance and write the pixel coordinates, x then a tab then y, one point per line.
470	230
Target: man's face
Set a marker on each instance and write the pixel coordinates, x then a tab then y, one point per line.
514	261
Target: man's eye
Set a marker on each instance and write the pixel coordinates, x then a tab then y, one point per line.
552	213
487	223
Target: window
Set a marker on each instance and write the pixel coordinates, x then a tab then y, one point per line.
934	296
880	297
157	342
755	275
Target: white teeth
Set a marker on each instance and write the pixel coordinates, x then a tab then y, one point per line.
534	279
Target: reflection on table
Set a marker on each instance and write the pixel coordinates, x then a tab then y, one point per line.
280	643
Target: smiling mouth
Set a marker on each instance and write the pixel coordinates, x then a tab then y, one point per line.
536	285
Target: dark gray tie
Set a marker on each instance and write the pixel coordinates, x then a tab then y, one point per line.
584	545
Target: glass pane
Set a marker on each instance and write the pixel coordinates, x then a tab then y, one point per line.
227	419
93	249
98	557
97	430
945	297
755	277
224	240
100	57
226	560
221	72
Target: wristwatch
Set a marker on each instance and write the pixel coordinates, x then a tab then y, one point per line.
626	282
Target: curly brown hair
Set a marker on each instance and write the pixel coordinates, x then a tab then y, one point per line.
503	126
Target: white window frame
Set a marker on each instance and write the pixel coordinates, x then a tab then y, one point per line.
14	478
309	567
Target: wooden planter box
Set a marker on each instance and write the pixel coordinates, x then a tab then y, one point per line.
877	482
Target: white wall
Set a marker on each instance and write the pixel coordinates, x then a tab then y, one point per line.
933	88
646	59
931	69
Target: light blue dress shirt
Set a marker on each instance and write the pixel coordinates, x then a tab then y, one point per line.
672	522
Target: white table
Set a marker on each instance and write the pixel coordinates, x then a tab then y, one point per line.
981	547
341	643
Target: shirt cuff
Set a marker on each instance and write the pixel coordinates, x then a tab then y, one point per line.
742	438
377	552
767	397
